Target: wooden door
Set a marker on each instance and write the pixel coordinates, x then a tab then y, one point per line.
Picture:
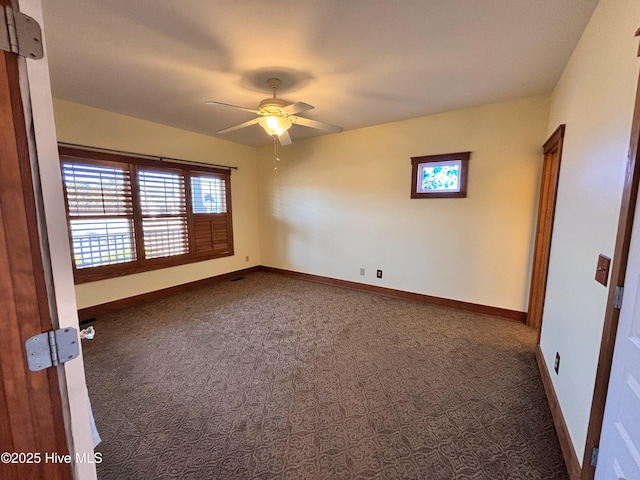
31	421
546	210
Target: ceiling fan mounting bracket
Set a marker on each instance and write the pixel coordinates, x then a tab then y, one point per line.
274	82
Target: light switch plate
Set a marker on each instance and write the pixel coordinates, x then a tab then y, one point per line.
602	269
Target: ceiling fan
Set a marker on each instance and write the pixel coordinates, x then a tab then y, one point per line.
276	116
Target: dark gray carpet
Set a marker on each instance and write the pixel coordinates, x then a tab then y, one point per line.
272	377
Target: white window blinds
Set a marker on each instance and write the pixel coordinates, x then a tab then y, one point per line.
100	208
164	213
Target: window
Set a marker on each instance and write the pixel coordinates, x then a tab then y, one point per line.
100	210
208	195
129	215
163	208
209	206
438	176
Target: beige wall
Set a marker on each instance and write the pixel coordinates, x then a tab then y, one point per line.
339	203
594	98
98	128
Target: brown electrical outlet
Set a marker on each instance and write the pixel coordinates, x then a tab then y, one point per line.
602	269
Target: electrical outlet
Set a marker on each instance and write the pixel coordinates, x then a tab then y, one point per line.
379	273
246	259
362	271
556	365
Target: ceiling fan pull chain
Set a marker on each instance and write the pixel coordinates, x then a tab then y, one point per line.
275	152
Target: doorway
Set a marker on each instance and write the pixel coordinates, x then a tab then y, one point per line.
31	411
552	151
46	411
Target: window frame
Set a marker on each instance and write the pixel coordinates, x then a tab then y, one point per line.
142	264
417	163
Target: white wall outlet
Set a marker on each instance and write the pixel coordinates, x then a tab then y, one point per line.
246	259
362	271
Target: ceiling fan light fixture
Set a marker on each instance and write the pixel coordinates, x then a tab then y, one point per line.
276	116
275	125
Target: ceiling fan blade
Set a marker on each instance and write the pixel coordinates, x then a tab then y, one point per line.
237	127
296	108
307	122
284	138
220	104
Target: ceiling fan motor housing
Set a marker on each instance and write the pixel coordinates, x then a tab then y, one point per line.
271	106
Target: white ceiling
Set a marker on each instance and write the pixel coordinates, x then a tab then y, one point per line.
359	62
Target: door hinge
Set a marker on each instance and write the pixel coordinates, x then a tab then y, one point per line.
594	456
20	34
617	299
52	348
